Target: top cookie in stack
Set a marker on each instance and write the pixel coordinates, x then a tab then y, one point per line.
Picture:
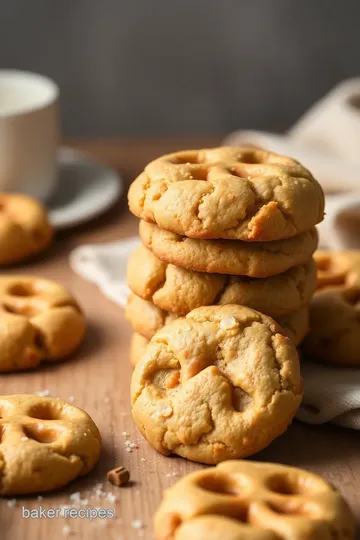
232	211
231	193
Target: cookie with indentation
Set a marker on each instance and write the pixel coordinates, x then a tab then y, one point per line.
39	321
179	290
253	259
246	500
146	319
220	383
45	444
337	302
235	193
24	228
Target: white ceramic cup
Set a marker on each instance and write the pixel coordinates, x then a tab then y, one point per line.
29	133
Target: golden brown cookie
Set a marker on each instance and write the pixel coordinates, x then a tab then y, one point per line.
39	321
220	383
236	193
338	269
146	319
253	259
45	444
179	290
24	228
137	347
334	336
246	500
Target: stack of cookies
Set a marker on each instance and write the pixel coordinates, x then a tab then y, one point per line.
223	226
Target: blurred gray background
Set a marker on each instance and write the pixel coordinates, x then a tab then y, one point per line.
158	67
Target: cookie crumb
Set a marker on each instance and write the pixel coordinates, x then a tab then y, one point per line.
11	503
66	530
111	498
43	393
227	323
131	444
71	399
143	459
39	498
137	524
75	497
118	477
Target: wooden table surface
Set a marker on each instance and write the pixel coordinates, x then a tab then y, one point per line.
98	377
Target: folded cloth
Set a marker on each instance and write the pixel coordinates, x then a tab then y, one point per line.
327	141
331	394
105	265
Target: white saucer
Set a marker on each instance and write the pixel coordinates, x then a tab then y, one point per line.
84	189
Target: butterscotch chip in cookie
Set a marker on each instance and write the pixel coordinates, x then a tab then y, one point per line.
235	193
253	259
45	444
237	388
24	228
334	336
146	319
179	290
39	321
138	345
246	500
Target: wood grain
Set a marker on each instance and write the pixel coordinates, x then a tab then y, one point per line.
98	377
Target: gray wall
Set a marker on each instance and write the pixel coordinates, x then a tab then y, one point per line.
155	67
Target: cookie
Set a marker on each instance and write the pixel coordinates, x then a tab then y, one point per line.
146	319
179	290
45	444
246	500
137	347
39	321
235	193
334	336
228	257
220	383
24	228
338	269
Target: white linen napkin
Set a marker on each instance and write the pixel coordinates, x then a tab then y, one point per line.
327	141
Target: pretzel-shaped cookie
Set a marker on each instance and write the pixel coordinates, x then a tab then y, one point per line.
338	269
147	319
176	289
236	193
39	321
243	500
338	302
24	228
220	383
45	443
